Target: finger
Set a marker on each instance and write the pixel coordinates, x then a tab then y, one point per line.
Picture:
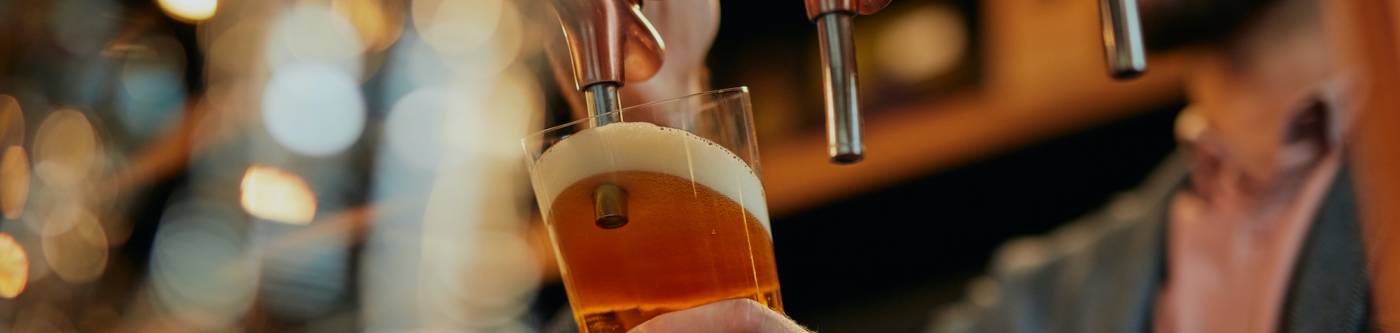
868	7
737	315
688	29
644	51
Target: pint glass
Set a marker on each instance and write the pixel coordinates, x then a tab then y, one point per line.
657	212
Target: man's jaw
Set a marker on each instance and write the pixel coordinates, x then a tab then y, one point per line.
1224	184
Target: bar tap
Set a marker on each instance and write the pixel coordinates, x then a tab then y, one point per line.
1122	39
842	89
610	42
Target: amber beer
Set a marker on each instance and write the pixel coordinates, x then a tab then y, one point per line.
697	229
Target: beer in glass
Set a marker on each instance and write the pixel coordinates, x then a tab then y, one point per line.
659	212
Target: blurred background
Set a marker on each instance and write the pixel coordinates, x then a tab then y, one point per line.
353	165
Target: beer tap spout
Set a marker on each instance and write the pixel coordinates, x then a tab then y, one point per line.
610	206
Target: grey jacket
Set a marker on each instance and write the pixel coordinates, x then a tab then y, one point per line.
1103	273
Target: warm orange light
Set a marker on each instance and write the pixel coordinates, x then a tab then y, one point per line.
456	26
14	182
75	245
273	194
1190	124
921	44
379	22
14	267
65	149
189	10
11	121
472	36
311	33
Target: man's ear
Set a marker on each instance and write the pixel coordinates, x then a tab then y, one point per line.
1342	93
1311	133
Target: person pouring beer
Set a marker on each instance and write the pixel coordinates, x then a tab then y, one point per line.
1251	227
657	207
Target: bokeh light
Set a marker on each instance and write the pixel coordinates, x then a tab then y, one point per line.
306	278
412	127
234	51
454	26
314	34
1190	123
313	109
449	124
152	77
83	26
477	38
506	45
273	194
28	237
11	121
378	22
478	277
65	149
75	245
14	182
921	44
413	65
198	267
189	10
504	115
14	267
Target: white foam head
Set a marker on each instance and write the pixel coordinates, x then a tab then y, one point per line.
638	146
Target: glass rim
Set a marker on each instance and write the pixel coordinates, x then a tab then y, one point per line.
541	133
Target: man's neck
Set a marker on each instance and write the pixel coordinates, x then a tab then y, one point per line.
1230	257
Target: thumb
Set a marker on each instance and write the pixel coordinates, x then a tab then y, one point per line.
689	28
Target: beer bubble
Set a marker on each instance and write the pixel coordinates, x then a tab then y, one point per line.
640	146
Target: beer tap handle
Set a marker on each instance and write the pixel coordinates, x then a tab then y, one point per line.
842	89
610	42
1122	39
